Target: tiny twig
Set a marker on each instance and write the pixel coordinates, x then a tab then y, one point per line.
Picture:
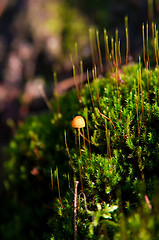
75	210
148	202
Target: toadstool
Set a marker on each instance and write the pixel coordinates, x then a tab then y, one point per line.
79	122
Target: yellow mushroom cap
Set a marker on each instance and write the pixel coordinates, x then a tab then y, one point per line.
78	122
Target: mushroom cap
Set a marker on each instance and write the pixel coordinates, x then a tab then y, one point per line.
78	122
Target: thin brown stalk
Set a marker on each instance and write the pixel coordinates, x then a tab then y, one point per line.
116	55
58	185
148	202
156	52
83	136
147	45
143	43
112	50
108	141
84	143
137	113
81	77
80	165
117	77
119	53
139	94
71	163
140	79
52	184
153	38
75	210
116	49
99	51
88	137
96	87
147	75
90	89
77	89
110	121
127	39
96	51
91	45
107	53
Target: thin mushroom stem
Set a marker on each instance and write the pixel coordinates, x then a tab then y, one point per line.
83	136
80	167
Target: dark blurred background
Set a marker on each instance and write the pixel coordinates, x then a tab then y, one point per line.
37	37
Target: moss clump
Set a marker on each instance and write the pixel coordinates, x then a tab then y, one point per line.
114	159
119	169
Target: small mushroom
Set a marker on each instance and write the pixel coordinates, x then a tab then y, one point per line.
79	122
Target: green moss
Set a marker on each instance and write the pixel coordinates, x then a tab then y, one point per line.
116	163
